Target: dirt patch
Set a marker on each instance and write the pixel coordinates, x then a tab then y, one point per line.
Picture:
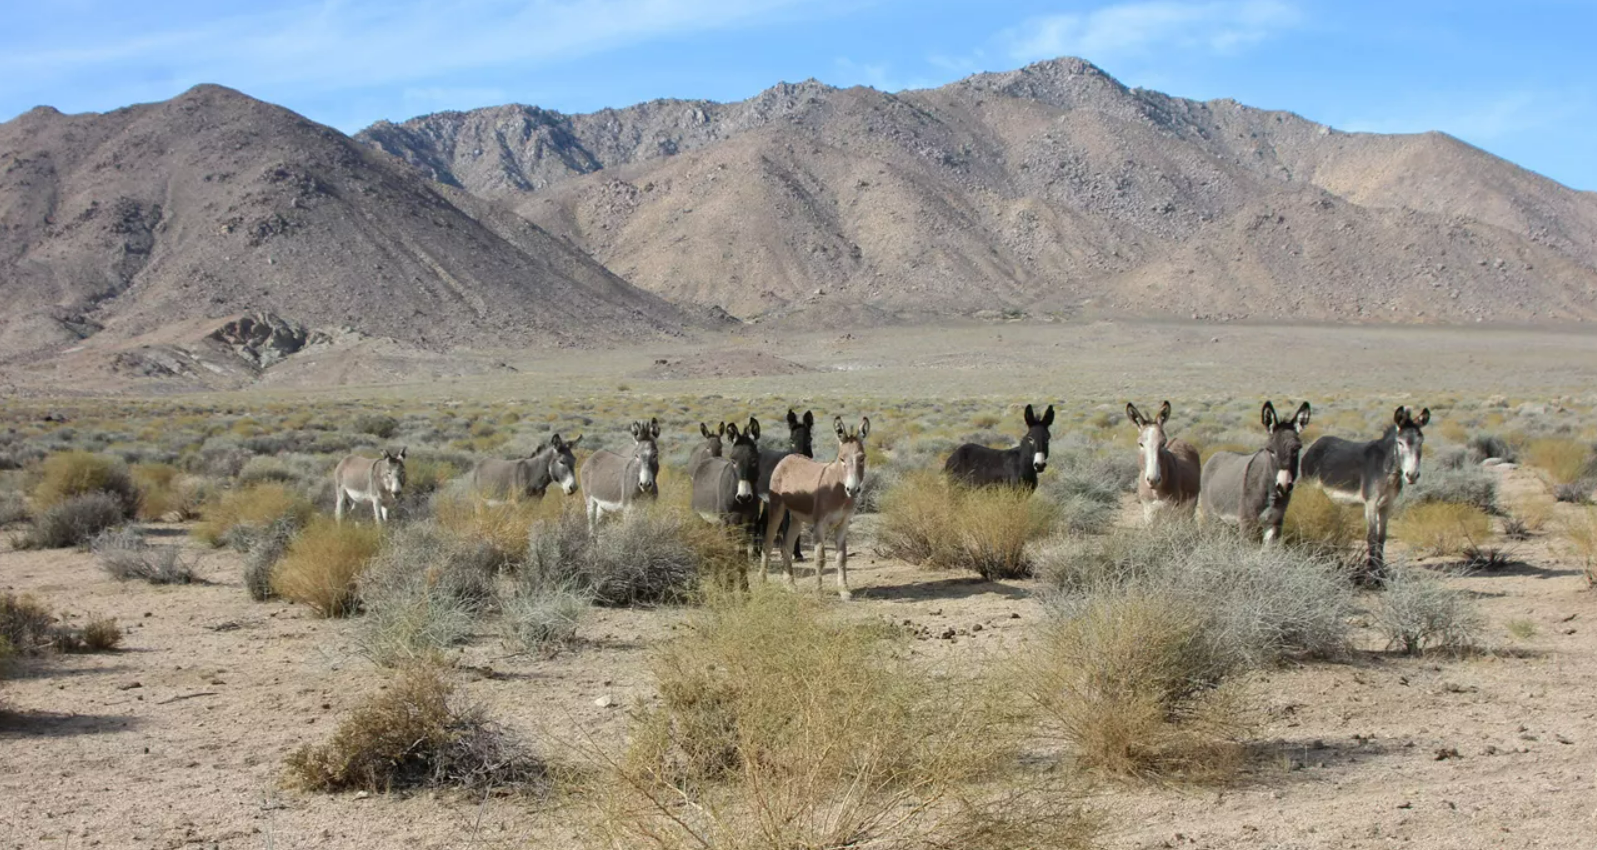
720	363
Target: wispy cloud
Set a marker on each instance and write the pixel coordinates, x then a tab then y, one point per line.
879	76
1474	118
362	43
1134	30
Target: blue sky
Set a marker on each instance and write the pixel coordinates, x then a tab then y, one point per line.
1518	79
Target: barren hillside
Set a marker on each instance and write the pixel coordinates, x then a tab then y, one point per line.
117	226
1050	188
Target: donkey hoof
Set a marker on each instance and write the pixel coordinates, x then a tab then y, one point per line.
845	594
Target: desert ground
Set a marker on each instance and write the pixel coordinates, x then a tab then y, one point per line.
178	737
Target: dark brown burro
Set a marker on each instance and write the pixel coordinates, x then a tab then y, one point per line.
822	495
723	487
1171	473
980	466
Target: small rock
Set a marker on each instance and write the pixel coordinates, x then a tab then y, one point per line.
605	701
129	686
976	628
361	795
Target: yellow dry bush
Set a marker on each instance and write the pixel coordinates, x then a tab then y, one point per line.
256	506
77	473
504	526
1580	537
1442	528
828	741
928	520
1313	519
1564	460
159	494
323	563
1132	683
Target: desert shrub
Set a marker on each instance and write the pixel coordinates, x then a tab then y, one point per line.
125	555
414	734
422	592
263	548
1419	613
13	508
1316	521
1580	539
1484	446
1466	485
1263	604
1577	493
379	425
261	470
1442	528
100	634
642	557
26	626
323	564
238	514
1565	461
930	521
829	742
1086	505
503	527
67	474
543	618
74	521
158	493
1137	684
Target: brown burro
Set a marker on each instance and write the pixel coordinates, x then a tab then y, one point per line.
1171	473
365	479
822	495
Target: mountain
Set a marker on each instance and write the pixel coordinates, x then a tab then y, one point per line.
1052	188
158	223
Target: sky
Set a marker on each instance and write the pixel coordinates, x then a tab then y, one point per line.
1518	79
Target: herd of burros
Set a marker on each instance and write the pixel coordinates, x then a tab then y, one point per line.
768	491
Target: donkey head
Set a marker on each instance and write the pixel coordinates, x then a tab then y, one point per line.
851	453
1410	441
712	439
745	457
1285	443
799	432
390	472
646	450
563	464
1150	440
1036	439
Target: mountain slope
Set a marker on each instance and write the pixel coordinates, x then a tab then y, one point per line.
213	204
1052	187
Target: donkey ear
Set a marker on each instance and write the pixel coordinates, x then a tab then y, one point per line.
654	427
1267	416
1301	420
636	429
1133	415
401	455
730	429
721	429
1164	413
1048	416
1425	417
837	425
754	429
573	443
705	430
554	440
809	419
1399	415
864	426
792	418
1031	418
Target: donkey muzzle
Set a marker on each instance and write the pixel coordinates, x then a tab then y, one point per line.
1411	477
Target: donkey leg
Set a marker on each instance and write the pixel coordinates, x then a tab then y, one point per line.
338	505
842	563
377	511
1380	540
770	529
820	556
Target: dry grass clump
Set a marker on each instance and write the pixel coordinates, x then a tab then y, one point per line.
1139	687
323	564
26	626
263	548
247	510
74	521
100	634
543	618
1261	604
781	727
1459	483
1442	528
928	520
1580	536
1420	613
125	555
642	557
502	526
422	594
64	475
13	508
1565	461
1315	520
163	492
413	734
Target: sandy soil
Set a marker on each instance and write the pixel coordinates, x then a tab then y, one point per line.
177	740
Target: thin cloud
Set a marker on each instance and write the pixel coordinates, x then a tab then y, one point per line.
1134	30
1473	118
